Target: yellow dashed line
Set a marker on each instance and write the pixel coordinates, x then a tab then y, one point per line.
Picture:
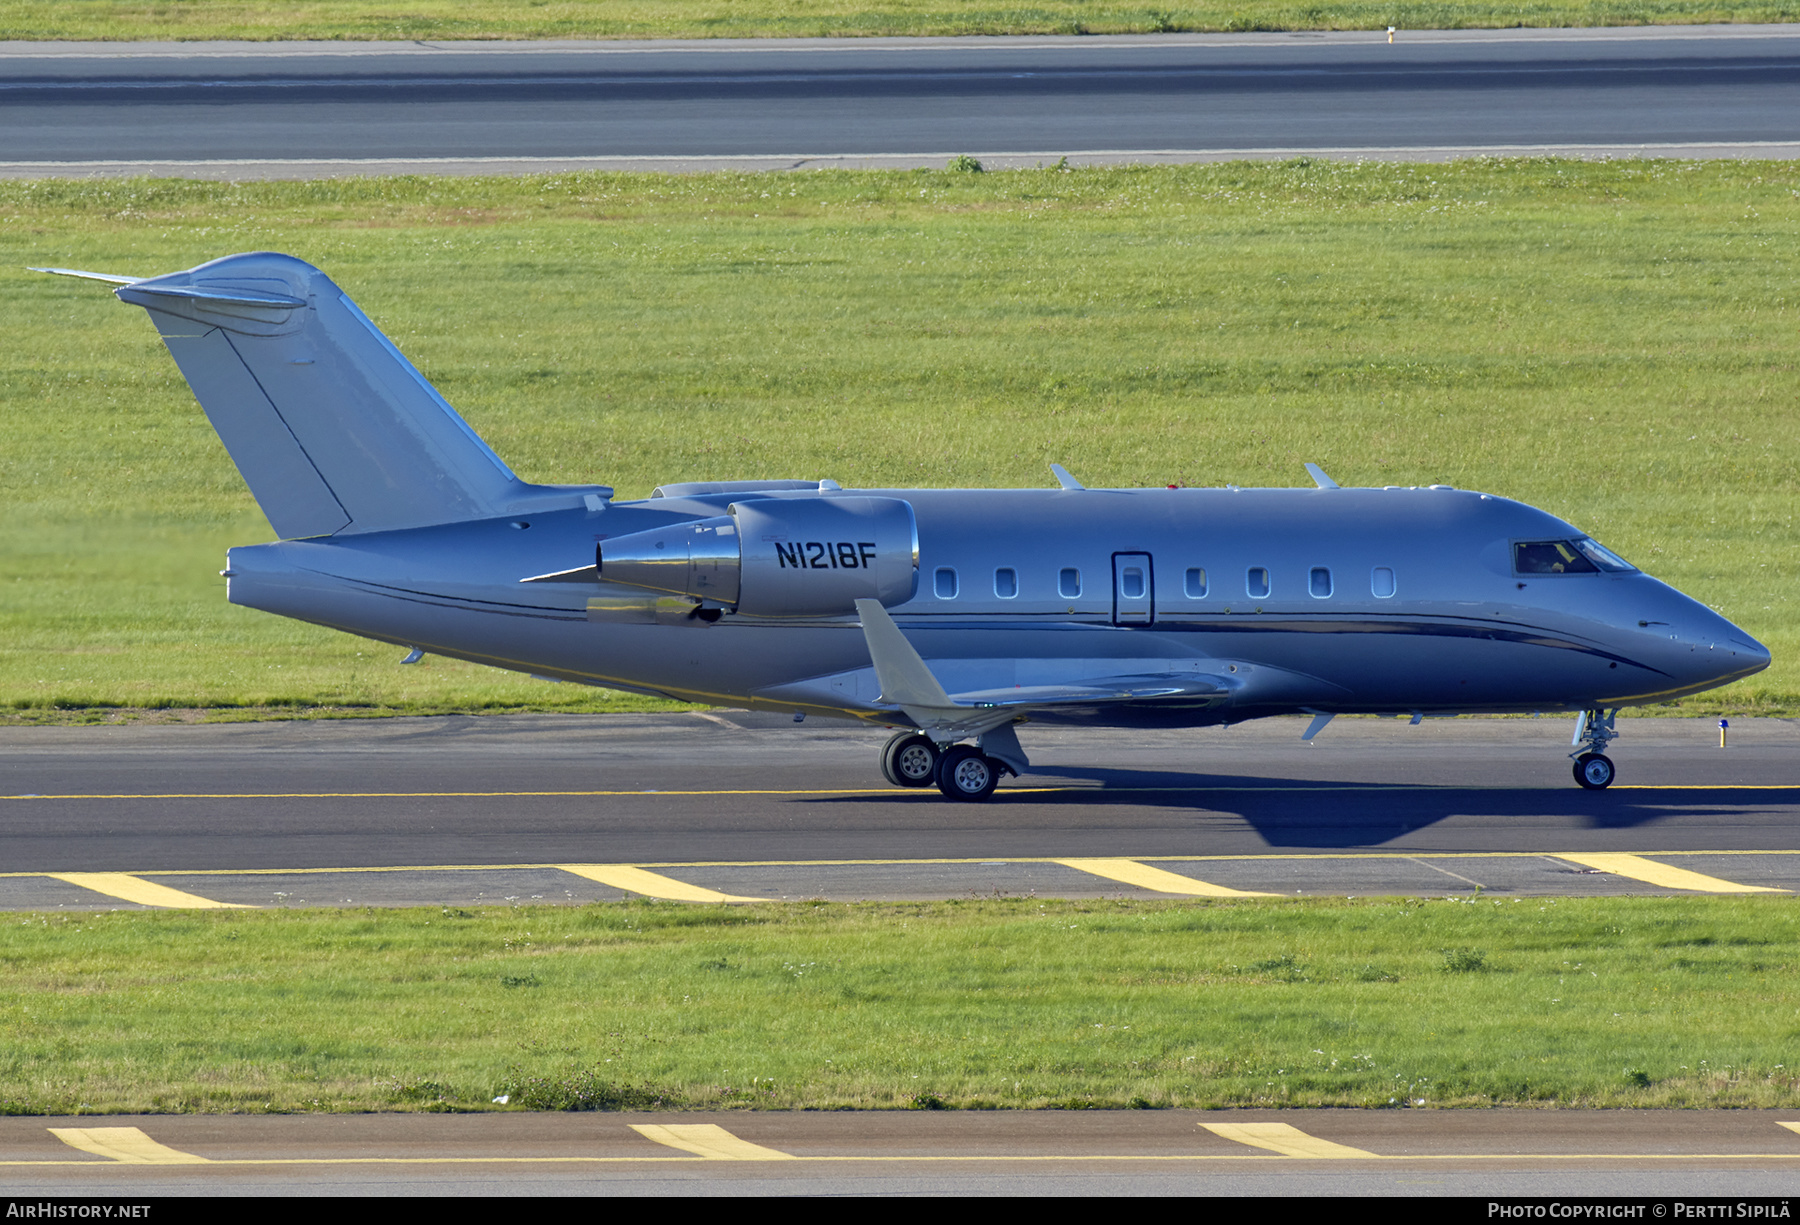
145	893
708	1140
1286	1139
1131	872
127	1145
651	884
1650	872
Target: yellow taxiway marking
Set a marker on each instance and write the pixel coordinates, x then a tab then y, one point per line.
651	884
1131	872
127	1145
130	888
708	1140
1650	872
1286	1139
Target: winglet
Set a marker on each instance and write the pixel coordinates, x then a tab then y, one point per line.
1064	479
905	678
1319	478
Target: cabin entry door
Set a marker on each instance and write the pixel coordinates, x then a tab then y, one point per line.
1134	589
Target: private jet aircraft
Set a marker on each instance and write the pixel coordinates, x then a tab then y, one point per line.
952	614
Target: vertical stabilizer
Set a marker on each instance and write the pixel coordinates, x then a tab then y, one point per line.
332	428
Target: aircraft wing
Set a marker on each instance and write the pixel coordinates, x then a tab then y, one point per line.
975	712
909	684
1101	689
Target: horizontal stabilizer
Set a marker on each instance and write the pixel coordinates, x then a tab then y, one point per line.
221	297
110	277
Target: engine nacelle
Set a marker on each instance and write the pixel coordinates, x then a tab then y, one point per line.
777	557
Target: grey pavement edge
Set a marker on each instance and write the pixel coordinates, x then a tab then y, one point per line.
302	169
502	47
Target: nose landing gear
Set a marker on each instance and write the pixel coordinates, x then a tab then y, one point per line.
1593	731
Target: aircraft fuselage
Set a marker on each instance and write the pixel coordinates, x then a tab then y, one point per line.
1326	600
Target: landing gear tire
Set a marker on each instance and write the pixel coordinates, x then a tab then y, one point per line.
1594	771
909	760
964	773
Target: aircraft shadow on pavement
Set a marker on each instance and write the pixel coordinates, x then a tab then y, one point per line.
1327	813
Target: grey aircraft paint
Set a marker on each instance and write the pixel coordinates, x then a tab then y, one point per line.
956	613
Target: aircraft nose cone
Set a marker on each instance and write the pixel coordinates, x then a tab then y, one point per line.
1744	646
1692	644
1730	652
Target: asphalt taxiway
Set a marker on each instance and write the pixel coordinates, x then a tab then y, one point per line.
733	806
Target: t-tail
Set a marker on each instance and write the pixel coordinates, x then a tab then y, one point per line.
332	428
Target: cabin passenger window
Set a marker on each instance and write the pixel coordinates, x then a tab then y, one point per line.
1381	582
1319	583
945	583
1256	582
1006	582
1068	583
1194	585
1131	583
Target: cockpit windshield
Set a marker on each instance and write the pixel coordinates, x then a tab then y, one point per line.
1581	556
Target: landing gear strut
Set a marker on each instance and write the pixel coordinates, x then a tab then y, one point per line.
1593	731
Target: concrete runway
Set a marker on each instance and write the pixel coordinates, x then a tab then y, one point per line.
305	109
1737	1154
737	806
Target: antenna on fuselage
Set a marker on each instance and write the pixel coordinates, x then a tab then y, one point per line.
1064	479
1319	478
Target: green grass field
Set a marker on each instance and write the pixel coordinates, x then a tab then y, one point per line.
456	19
996	1004
1614	342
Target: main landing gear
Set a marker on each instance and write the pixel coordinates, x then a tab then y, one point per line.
961	771
909	760
1593	731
